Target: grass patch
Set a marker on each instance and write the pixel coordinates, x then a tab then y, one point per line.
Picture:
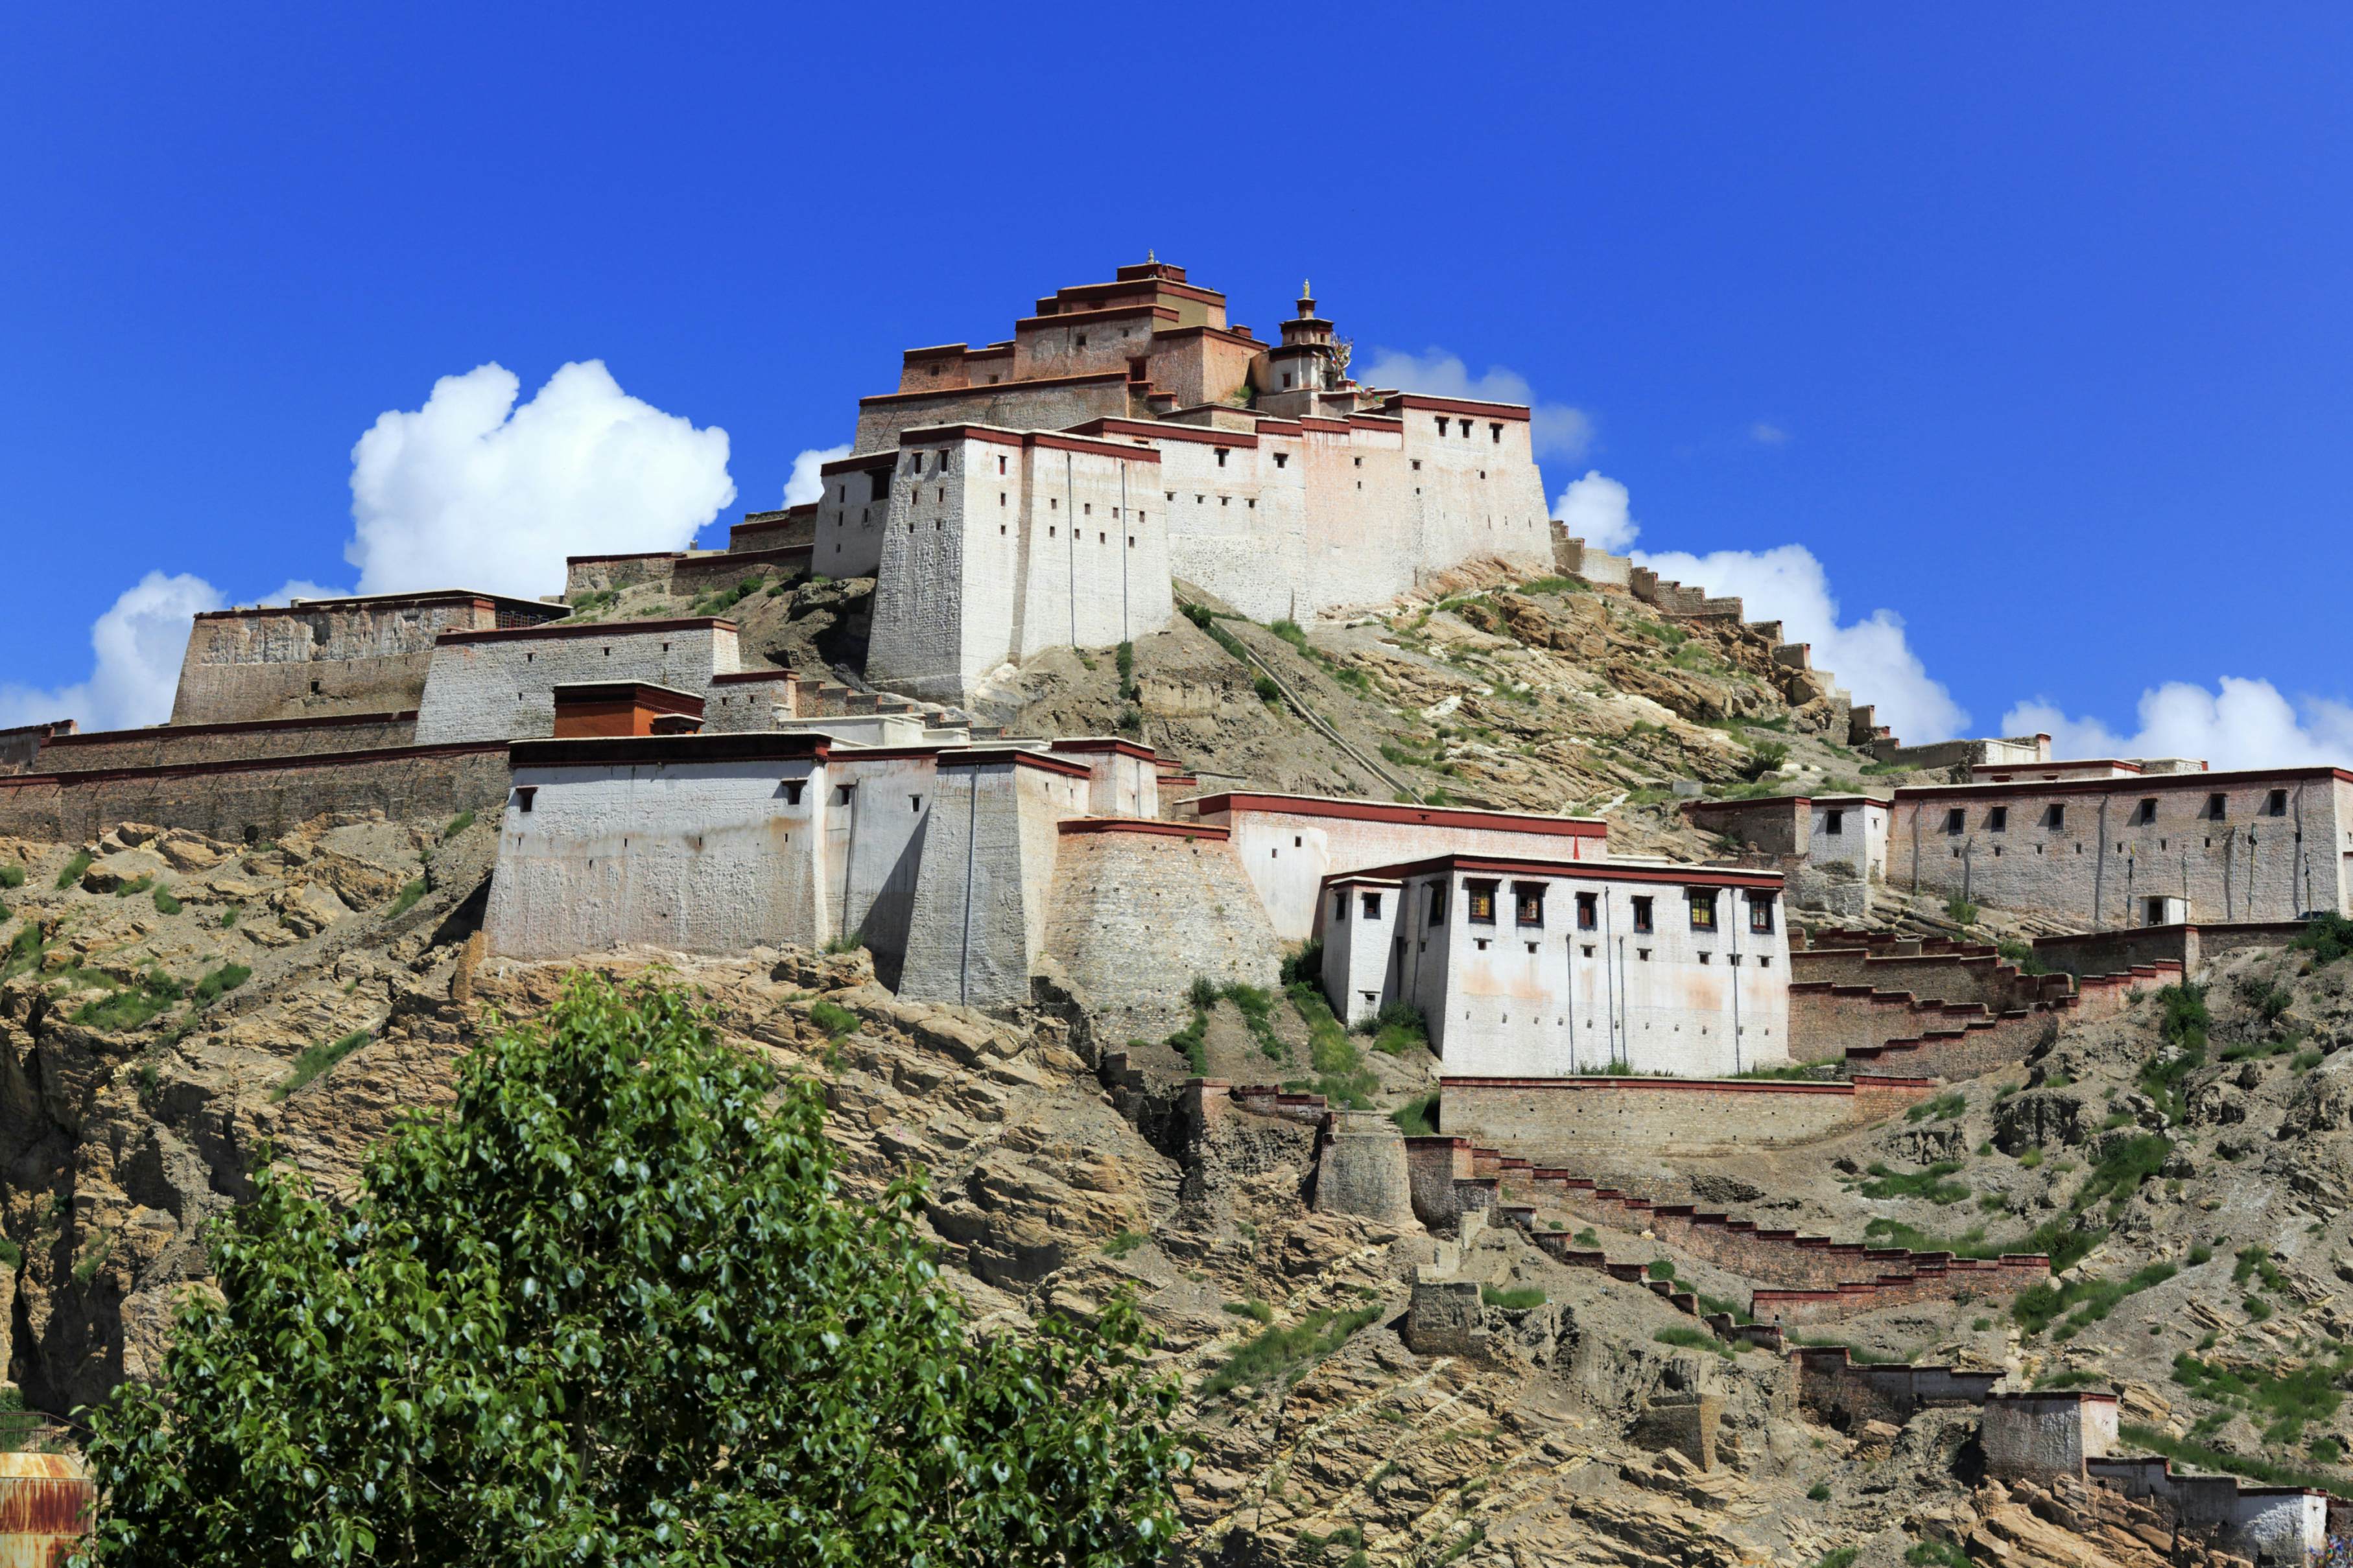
2255	1263
1256	1310
1819	1492
1960	912
1517	1299
1586	1237
136	885
1793	1069
1948	1106
2019	956
405	899
212	987
132	1007
2087	1301
2325	940
165	904
459	824
1417	1118
1692	1339
2122	1169
23	952
1397	1029
318	1060
2211	1459
1125	1242
12	876
1186	1042
1341	1075
74	868
1843	1558
1928	1184
834	1019
1935	1553
2066	1241
1660	1268
1285	1354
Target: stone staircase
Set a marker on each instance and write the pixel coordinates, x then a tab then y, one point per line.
1796	1277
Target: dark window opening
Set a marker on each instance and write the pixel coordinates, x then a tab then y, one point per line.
1372	905
1834	823
1589	910
2056	816
2276	804
1956	820
1642	914
1760	913
1340	904
1998	819
524	794
1528	902
2146	812
792	791
1438	903
2217	807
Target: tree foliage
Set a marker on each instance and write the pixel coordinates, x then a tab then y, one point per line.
611	1309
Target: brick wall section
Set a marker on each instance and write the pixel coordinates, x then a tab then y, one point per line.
1610	1116
2107	952
1978	1278
20	747
266	797
169	745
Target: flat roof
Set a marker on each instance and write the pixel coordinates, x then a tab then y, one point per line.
721	746
588	629
627	692
361	601
1418	815
1150	826
1589	870
2136	783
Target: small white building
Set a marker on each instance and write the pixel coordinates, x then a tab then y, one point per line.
1530	968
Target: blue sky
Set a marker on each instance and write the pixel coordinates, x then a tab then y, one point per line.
2030	327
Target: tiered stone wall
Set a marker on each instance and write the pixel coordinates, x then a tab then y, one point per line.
256	799
20	747
2190	947
1601	1117
172	745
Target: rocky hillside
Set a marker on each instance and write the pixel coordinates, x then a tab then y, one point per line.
172	1008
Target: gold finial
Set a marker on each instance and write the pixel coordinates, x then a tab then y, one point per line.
1150	257
1305	291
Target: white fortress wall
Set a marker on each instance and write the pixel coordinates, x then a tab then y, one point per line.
1478	491
704	856
853	514
987	860
1236	508
500	685
1124	780
1097	563
878	804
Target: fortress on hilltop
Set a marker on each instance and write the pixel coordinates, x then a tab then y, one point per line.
1043	491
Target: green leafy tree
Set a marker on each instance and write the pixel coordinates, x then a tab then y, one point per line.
611	1309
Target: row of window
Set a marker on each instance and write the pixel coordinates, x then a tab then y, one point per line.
2217	809
1495	428
1528	901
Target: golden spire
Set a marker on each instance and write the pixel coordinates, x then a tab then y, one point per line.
1151	258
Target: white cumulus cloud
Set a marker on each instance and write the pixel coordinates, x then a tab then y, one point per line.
2241	723
1594	508
805	484
1556	429
471	492
1871	656
137	645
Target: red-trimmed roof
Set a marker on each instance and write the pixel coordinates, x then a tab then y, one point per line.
1026	438
1418	815
1092	314
588	629
1633	1081
882	460
233	727
644	693
1148	826
2139	785
365	601
1588	870
982	756
721	746
1160	431
1083	743
995	388
1457	405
